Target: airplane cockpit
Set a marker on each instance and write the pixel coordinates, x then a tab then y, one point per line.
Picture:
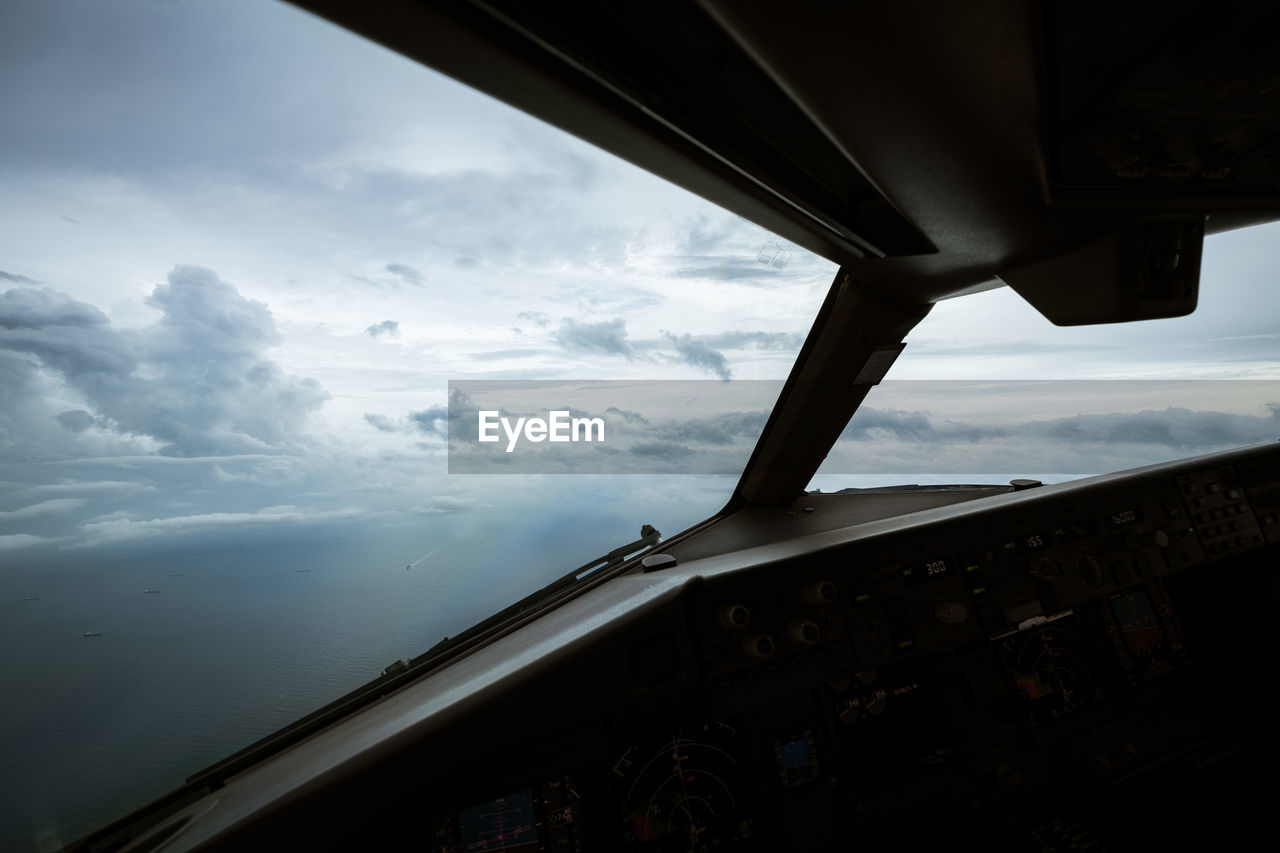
1066	666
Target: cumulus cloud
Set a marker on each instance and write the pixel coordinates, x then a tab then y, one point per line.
609	336
433	421
390	328
197	381
382	423
38	307
695	352
405	272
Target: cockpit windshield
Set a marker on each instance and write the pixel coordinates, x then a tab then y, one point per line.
988	390
244	254
253	271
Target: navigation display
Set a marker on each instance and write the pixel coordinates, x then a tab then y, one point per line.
683	792
1054	668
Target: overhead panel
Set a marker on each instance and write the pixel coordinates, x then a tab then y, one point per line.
1164	108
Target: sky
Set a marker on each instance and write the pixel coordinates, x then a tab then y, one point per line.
243	253
241	245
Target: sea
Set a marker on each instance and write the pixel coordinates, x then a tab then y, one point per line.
236	641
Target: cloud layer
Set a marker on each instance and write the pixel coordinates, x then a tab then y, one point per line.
196	382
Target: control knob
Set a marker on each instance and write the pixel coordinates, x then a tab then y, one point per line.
1147	539
805	633
1090	569
734	616
818	592
758	646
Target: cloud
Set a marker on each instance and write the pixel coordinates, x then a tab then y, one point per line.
869	422
776	341
381	423
504	354
720	430
196	381
726	269
447	505
433	421
405	272
627	415
88	487
1179	429
695	352
76	420
899	442
535	317
391	328
703	237
115	530
1176	428
56	506
38	307
660	450
14	541
609	336
16	279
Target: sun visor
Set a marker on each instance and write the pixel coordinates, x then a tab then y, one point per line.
1142	269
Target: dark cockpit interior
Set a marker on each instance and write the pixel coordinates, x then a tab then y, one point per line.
1081	666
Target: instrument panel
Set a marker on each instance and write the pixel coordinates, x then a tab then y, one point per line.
1046	673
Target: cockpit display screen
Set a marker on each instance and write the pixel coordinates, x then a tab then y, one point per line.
1139	624
1055	669
795	758
506	823
684	792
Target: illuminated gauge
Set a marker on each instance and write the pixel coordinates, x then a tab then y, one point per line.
544	817
1054	669
795	756
684	792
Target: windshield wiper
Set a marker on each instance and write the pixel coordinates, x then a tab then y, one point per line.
649	537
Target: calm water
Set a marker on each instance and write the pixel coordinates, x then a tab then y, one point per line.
237	643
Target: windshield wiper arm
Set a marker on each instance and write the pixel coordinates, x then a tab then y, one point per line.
649	537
